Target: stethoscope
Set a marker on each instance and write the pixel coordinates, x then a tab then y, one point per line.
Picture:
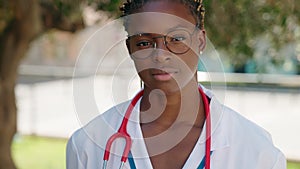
122	132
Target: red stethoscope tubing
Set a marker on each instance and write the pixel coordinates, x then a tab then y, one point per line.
122	132
208	128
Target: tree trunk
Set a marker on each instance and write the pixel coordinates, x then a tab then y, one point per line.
13	51
7	120
30	18
14	43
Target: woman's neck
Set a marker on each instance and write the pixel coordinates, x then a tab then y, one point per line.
183	107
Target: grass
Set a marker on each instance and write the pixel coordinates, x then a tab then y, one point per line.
293	165
31	152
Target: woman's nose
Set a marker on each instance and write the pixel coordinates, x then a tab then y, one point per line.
161	53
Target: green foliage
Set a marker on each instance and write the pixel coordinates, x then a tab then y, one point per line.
110	6
70	9
234	26
63	7
6	15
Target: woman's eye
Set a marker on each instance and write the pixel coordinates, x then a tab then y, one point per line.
143	44
178	38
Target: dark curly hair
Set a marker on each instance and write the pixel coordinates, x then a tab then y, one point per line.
196	7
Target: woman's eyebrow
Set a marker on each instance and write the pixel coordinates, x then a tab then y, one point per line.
140	34
180	26
176	27
143	34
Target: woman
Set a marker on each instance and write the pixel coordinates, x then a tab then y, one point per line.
170	125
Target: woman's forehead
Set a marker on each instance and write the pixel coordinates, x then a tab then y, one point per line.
159	16
170	7
155	22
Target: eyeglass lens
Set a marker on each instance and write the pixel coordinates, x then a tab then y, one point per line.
177	42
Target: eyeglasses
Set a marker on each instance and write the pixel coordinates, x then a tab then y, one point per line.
177	41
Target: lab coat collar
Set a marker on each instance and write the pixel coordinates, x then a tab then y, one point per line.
219	138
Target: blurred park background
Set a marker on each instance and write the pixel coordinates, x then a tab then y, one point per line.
258	42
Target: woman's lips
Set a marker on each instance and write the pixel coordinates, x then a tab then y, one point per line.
163	75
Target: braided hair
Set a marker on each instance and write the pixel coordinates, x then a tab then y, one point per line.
196	7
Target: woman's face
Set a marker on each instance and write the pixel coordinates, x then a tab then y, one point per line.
164	45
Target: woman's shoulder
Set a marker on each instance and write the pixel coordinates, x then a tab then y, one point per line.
235	125
248	135
250	140
87	144
100	127
238	125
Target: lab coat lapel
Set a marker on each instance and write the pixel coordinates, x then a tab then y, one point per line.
219	139
138	150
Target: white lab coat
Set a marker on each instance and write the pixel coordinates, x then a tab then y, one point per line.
237	143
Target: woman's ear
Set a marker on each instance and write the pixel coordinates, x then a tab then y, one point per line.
202	40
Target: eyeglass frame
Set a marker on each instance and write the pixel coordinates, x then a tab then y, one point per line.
164	37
